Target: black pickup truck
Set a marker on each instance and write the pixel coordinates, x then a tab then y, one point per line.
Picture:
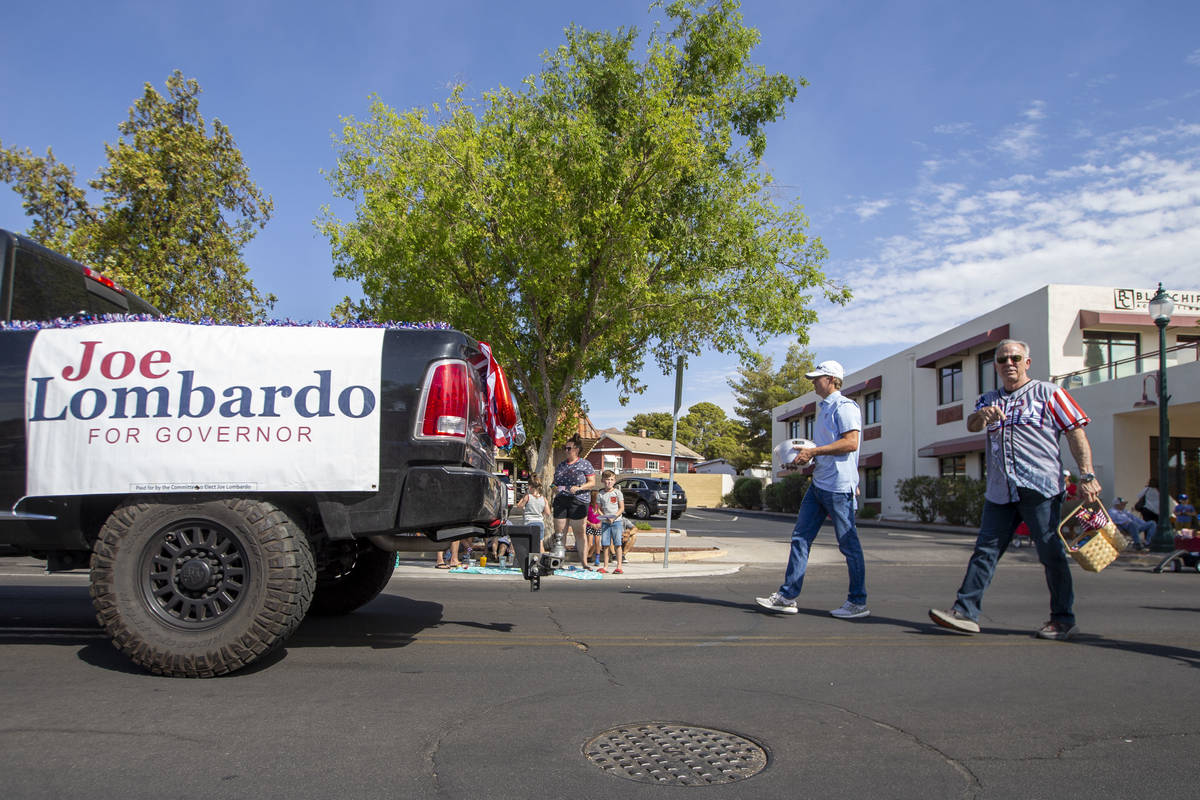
223	481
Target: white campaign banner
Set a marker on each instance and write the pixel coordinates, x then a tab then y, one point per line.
161	406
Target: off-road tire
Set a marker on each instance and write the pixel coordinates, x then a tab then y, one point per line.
349	575
203	588
641	510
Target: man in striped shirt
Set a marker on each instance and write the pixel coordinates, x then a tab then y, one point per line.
1024	420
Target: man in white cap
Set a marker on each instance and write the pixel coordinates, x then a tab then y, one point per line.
832	494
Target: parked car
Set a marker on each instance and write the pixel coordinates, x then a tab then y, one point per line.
646	497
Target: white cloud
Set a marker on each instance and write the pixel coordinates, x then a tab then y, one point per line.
870	208
953	128
1193	58
1123	214
1021	141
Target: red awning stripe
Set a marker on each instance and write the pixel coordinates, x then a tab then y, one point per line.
865	386
993	335
950	447
797	412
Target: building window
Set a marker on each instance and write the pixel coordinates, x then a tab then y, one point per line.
809	422
950	383
652	466
953	466
871	409
1110	355
615	463
1185	354
988	379
795	429
871	479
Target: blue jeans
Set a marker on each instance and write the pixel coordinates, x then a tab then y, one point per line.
814	508
1134	527
1041	514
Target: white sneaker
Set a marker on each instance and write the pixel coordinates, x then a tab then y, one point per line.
953	620
850	611
778	603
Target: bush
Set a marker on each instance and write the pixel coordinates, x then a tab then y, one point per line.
729	501
919	496
960	500
771	497
868	512
791	491
747	492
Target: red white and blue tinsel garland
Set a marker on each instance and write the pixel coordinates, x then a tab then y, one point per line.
97	319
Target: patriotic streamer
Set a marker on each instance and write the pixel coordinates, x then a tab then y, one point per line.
500	403
97	319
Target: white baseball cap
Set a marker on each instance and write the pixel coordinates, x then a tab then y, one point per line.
830	368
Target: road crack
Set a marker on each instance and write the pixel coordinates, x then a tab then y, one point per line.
583	648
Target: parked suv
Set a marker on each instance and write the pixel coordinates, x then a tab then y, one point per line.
645	497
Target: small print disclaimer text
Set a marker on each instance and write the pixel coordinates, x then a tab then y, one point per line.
215	486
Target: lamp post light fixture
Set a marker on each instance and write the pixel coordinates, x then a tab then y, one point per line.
1146	402
1161	307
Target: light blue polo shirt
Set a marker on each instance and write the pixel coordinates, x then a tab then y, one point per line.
836	415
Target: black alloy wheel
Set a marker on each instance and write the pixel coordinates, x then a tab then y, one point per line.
193	574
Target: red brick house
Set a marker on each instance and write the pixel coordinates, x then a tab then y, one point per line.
623	453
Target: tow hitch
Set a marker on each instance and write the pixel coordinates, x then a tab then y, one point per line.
533	564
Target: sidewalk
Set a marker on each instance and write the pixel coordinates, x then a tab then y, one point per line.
1130	557
704	556
686	557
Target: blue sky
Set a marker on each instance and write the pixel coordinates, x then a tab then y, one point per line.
953	156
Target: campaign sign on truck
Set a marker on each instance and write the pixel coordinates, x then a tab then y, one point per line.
161	406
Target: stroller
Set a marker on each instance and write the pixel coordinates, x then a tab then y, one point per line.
1186	554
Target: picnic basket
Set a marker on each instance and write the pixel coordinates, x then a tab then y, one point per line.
1094	541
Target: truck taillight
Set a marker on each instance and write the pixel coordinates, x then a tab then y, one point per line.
98	278
445	407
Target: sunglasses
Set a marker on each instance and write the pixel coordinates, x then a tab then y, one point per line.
1017	359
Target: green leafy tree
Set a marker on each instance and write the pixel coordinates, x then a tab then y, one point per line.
48	193
707	430
656	424
760	387
704	428
613	208
177	207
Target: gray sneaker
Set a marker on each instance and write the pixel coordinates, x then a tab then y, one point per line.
953	620
850	611
778	603
1059	631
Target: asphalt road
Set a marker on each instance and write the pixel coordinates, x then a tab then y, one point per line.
464	686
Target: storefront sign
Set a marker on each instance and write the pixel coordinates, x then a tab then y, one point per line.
1139	299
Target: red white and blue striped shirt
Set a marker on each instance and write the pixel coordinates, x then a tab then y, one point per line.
1022	449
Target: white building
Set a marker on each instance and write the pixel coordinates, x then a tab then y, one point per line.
715	466
1097	341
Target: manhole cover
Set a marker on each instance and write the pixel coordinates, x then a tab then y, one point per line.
678	755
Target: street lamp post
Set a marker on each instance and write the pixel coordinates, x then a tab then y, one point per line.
1161	307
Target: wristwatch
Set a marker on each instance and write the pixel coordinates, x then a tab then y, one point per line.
1085	477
